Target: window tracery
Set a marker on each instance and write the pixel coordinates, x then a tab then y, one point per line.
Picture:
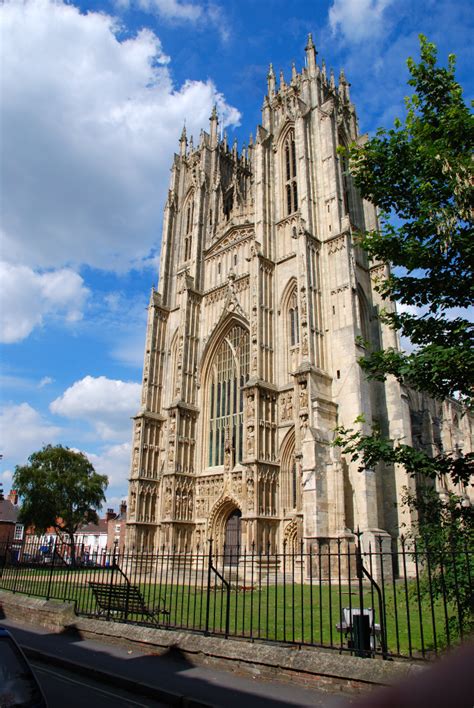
289	172
229	372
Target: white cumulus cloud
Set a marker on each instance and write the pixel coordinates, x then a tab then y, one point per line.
24	431
89	125
106	404
28	297
113	461
358	20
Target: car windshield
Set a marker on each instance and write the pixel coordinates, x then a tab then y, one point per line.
18	686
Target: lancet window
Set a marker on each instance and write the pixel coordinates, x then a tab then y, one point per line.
229	373
293	319
290	483
289	172
188	230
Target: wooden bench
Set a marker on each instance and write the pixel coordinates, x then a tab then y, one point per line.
123	600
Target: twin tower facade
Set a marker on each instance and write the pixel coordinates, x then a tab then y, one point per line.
253	339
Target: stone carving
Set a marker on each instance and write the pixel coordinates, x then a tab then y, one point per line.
286	406
250	494
303	394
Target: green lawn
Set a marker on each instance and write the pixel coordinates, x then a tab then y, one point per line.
287	613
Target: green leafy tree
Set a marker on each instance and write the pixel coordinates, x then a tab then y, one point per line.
59	488
420	175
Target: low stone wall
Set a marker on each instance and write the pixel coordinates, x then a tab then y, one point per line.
309	666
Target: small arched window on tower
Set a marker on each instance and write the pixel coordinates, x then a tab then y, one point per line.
293	320
289	172
188	223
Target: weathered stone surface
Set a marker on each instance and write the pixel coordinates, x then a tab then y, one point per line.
264	292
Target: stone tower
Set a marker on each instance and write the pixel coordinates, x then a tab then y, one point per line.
253	336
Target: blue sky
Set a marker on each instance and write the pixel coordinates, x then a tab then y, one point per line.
93	99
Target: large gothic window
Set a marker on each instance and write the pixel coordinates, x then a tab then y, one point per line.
289	172
229	372
290	491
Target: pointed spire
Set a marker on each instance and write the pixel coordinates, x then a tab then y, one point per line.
332	80
224	142
183	142
213	126
323	71
191	144
234	148
282	80
251	141
343	86
311	53
271	81
293	72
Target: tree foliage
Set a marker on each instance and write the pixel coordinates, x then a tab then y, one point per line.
420	175
59	488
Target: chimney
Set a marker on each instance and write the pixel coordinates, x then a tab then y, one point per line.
123	508
110	514
13	497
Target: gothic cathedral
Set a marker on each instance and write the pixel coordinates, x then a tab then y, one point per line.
264	306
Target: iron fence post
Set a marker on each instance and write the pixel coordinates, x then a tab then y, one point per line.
208	597
48	592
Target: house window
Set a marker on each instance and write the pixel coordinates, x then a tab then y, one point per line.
18	532
228	374
289	173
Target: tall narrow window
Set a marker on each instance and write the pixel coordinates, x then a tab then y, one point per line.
293	320
229	373
188	232
289	169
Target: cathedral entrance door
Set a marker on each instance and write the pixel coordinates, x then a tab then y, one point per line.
232	538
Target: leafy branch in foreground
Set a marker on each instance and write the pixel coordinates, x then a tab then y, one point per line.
369	450
421	171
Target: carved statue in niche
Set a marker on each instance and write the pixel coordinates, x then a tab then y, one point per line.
168	501
250	441
171	452
228	450
304	311
303	394
250	494
304	347
135	460
133	501
250	405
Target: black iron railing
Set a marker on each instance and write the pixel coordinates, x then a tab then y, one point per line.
335	594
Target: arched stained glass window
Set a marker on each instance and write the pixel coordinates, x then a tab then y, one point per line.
229	373
289	171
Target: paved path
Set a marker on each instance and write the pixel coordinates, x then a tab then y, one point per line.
169	678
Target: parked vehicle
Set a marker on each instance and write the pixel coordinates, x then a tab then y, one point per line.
18	685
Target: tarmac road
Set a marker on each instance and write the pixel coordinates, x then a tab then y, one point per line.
62	687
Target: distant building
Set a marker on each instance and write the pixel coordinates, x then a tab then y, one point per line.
116	529
10	528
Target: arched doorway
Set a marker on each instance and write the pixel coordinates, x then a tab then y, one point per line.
233	535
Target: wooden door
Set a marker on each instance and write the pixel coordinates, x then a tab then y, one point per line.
232	538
